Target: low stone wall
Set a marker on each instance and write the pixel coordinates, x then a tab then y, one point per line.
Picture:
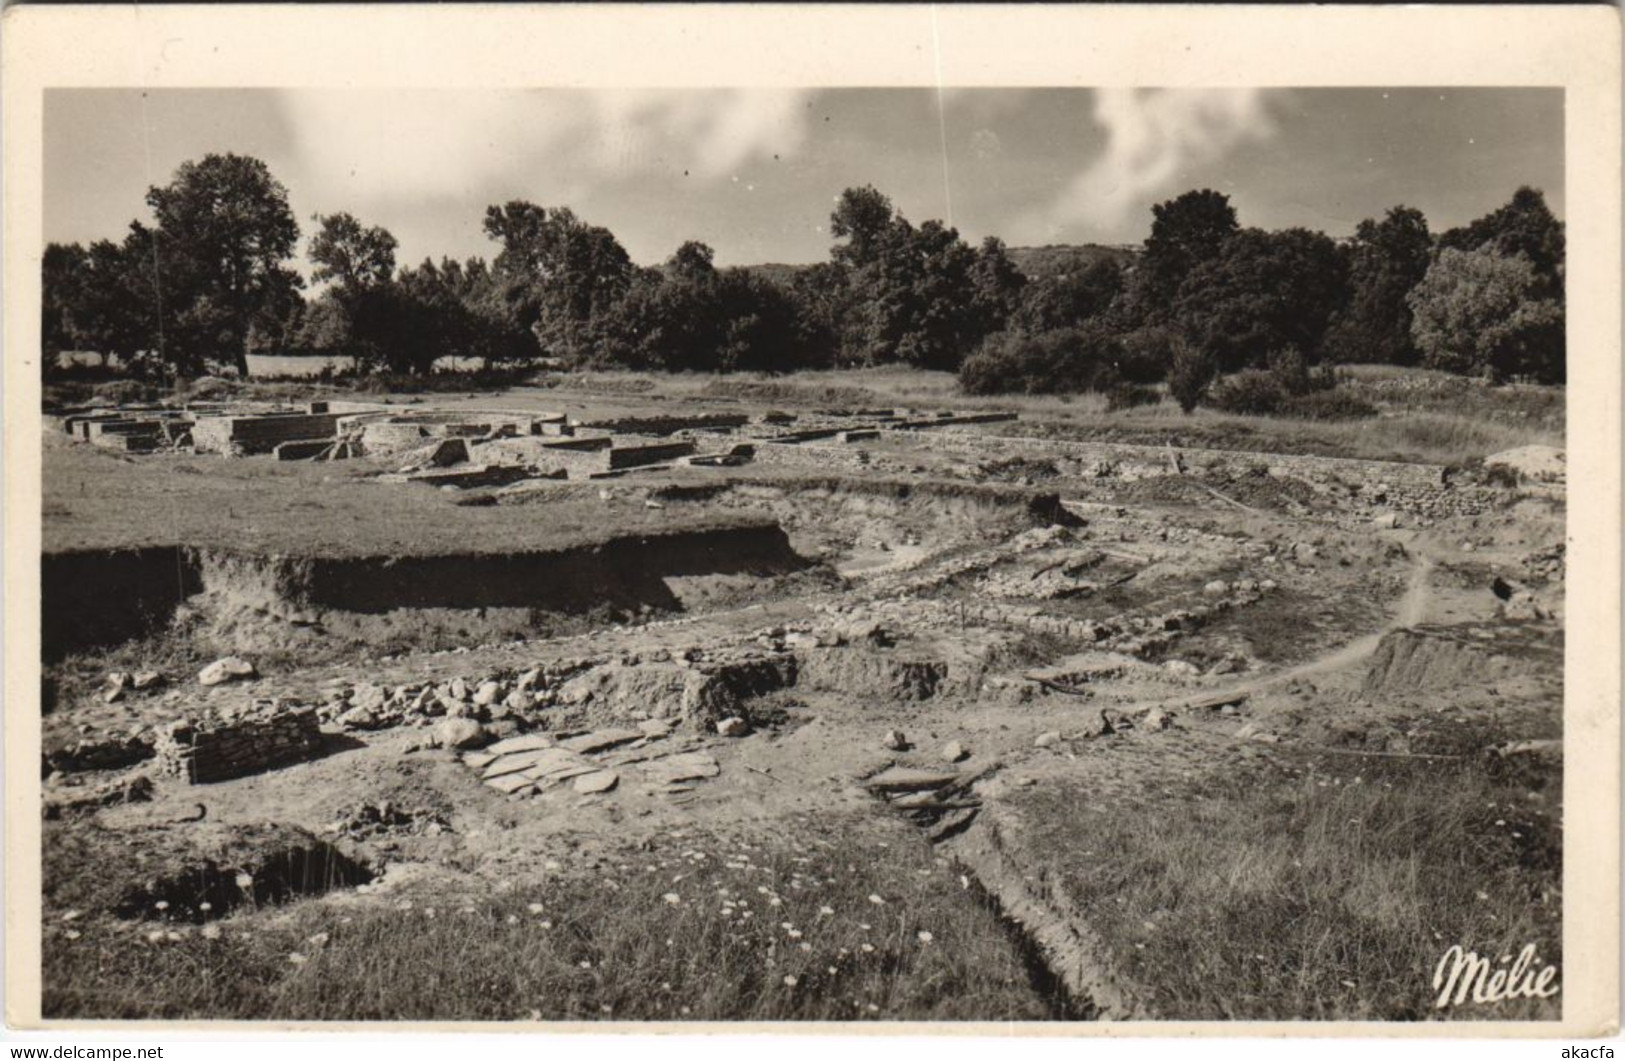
1144	460
207	750
238	435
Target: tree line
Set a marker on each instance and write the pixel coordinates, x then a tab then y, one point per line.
209	281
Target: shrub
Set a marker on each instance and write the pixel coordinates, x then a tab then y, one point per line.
1191	371
1250	392
1131	396
1064	361
1328	405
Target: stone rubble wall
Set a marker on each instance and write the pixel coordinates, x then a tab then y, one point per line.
204	751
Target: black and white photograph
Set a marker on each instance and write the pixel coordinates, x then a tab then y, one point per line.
941	554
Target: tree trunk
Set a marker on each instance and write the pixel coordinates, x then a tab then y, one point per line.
242	362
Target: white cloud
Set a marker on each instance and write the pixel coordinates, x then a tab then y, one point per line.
365	148
1154	138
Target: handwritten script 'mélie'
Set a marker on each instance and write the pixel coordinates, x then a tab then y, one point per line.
1463	974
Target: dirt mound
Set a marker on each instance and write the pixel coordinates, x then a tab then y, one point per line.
1464	656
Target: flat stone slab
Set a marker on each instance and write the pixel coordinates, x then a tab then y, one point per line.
511	783
531	742
599	781
554	761
558	777
686	767
910	779
513	764
600	739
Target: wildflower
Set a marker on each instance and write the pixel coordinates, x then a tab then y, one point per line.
824	911
790	981
534	908
512	919
211	931
535	1014
544	924
72	933
805	946
585	965
73	915
775	901
794	933
155	936
867	948
864	925
205	907
161	904
925	937
244	881
318	939
672	898
877	900
297	959
873	1008
832	970
173	937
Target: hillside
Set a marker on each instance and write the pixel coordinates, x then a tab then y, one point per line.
1032	261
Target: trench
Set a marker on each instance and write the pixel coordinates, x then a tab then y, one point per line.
99	599
1064	961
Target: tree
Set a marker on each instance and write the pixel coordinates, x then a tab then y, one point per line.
1526	226
1388	259
1484	313
1263	291
223	232
998	286
1067	300
562	277
63	269
1186	232
350	254
910	294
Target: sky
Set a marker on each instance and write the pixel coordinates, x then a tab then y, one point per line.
754	173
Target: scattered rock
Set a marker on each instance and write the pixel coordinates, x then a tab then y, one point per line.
954	752
1385	520
146	679
460	733
1179	668
894	741
1157	719
655	728
487	694
1047	738
117	683
230	668
1216	588
732	727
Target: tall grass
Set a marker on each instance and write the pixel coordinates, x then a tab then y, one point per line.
837	920
1323	890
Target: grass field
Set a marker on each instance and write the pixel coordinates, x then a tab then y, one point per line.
1316	887
833	919
97	499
